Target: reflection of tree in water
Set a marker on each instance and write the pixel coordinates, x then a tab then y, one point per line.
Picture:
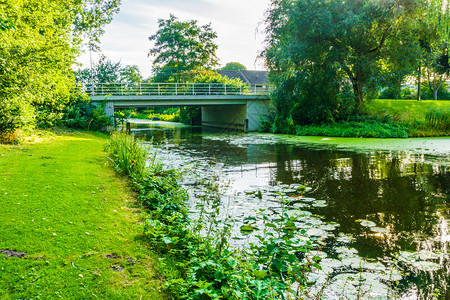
396	191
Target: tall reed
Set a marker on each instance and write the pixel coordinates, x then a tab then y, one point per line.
438	118
128	154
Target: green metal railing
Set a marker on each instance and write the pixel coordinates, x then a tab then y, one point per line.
175	89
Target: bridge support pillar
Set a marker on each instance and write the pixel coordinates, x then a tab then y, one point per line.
227	117
256	111
109	110
243	117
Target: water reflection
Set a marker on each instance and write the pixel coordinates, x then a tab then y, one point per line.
398	190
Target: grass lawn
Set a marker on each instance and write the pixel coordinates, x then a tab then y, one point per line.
64	206
409	110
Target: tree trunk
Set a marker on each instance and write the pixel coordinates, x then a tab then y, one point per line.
436	86
358	91
419	81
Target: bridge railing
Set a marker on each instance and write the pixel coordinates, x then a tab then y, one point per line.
175	89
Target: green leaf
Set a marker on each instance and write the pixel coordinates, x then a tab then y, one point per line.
248	228
259	274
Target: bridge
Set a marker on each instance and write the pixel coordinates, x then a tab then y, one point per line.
229	106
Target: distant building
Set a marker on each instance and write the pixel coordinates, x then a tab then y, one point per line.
257	80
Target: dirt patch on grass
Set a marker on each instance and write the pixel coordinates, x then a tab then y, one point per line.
13	253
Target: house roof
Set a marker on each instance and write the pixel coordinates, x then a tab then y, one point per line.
247	76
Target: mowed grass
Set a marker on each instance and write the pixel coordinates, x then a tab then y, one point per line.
408	110
64	206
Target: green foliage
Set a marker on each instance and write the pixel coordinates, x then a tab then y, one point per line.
181	46
324	55
128	154
315	94
91	18
442	93
81	114
38	46
233	66
106	71
438	118
191	115
171	114
363	40
368	129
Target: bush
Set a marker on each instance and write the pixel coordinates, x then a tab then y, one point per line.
389	93
369	129
81	114
191	115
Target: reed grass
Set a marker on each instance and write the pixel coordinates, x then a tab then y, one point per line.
438	118
128	154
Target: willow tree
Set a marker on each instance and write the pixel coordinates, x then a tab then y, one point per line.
329	44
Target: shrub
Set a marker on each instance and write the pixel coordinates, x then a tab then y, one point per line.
81	114
14	115
372	129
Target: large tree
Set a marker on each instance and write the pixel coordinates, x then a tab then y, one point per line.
39	43
310	42
181	46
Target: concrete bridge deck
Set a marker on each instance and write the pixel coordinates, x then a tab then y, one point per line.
225	106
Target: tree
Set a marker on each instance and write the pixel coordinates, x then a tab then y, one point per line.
39	42
365	42
106	71
233	66
433	37
182	46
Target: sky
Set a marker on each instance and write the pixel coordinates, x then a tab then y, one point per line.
238	23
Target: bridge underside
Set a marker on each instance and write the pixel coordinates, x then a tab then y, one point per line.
227	112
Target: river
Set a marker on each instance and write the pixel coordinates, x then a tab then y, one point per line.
380	205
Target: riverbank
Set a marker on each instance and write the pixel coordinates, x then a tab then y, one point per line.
72	221
383	119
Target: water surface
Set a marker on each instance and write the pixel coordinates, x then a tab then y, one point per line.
401	185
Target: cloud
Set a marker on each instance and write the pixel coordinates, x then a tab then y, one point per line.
235	22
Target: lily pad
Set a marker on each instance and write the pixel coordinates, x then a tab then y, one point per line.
289	191
426	266
379	229
300	205
426	255
366	223
317	232
327	227
308	199
332	263
390	275
320	203
346	251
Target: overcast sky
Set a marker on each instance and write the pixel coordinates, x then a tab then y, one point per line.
238	24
